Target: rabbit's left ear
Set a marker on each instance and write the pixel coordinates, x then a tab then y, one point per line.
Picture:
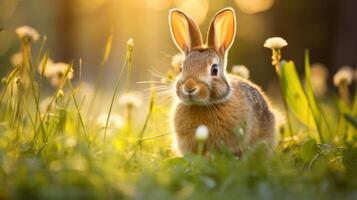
184	31
222	31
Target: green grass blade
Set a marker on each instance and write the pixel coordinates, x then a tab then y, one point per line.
294	95
319	118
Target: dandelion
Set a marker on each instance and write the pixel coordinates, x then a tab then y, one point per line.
129	54
319	75
240	70
342	79
344	76
46	69
116	121
275	43
18	81
27	33
130	43
201	133
59	72
55	71
177	61
4	81
130	99
16	59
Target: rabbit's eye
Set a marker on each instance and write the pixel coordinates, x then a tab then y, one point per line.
214	70
180	68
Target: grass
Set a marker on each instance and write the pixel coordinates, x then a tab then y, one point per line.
60	152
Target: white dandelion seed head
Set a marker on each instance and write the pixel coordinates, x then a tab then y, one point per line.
60	69
116	121
130	43
275	43
343	76
201	132
16	59
240	70
57	71
177	61
130	99
27	32
48	69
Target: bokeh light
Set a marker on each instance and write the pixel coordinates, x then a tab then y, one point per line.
6	40
254	6
158	4
197	9
7	8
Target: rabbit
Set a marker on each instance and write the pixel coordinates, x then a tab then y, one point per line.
235	111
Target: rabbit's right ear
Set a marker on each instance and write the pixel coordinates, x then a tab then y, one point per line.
222	31
184	31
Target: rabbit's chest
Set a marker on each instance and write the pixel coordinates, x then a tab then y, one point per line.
221	124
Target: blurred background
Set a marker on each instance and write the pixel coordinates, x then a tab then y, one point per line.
79	29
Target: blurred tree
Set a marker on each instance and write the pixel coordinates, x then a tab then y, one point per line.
66	27
344	43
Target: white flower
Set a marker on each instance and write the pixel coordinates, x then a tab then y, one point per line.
241	71
343	76
201	132
48	69
55	71
27	32
116	121
130	43
130	99
275	43
16	59
177	61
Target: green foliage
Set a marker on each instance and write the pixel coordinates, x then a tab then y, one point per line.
294	95
59	152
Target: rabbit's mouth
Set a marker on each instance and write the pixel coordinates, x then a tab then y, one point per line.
196	93
190	99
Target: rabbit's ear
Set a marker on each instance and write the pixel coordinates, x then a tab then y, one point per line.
222	31
184	31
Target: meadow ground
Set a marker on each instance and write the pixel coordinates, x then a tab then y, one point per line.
51	146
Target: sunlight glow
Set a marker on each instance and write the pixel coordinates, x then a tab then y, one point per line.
158	4
197	9
254	6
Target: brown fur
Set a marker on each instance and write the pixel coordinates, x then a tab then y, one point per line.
235	110
247	109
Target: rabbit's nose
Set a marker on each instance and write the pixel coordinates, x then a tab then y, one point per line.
190	87
190	90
